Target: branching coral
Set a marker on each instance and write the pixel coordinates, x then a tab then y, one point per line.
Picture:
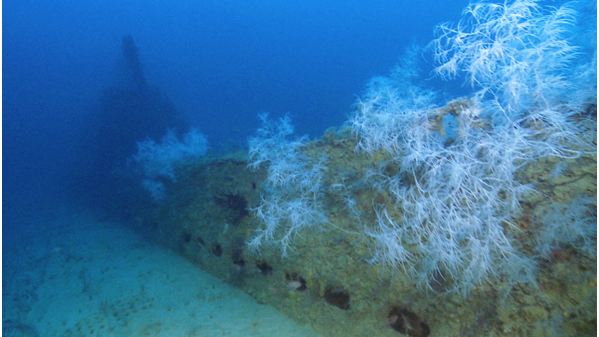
292	201
456	194
158	160
515	52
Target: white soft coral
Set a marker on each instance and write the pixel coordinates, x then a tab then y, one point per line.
158	160
292	199
513	52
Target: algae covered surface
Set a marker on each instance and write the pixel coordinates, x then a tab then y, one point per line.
421	216
329	279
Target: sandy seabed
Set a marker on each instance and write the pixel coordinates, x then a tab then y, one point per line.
79	276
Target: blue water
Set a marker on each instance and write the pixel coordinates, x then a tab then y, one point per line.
219	62
213	64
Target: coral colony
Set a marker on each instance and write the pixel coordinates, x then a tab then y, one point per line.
294	184
455	190
158	161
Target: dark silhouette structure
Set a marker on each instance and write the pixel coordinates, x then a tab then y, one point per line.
130	111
